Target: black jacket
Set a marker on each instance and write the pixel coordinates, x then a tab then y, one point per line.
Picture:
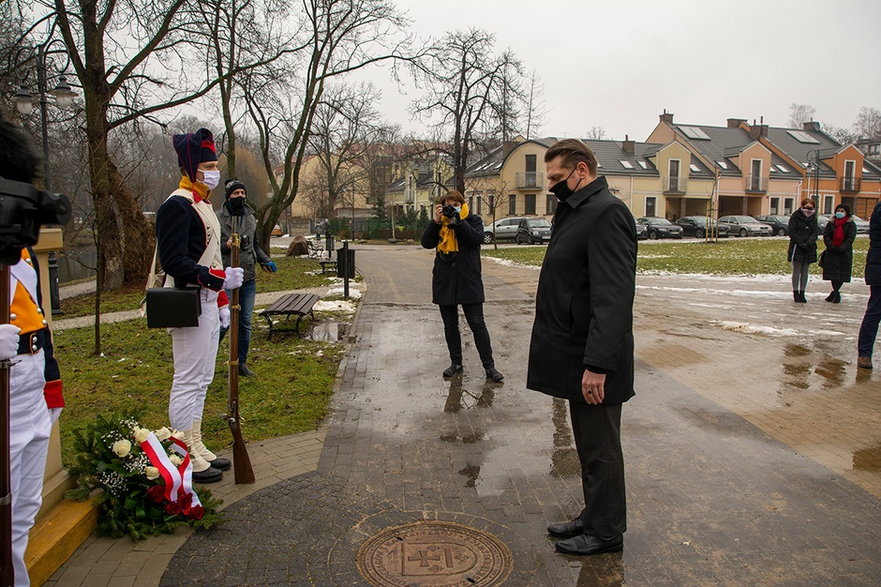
803	233
837	263
250	252
584	302
456	277
873	257
181	239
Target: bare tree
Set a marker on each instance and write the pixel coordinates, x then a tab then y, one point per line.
468	88
868	124
843	135
535	107
336	37
800	113
595	133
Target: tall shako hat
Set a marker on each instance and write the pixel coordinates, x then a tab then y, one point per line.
194	148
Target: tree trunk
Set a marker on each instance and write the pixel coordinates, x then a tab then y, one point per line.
138	233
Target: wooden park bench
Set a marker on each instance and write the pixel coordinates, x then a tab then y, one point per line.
328	265
288	305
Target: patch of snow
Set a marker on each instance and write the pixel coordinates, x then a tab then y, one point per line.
748	328
335	306
338	291
509	263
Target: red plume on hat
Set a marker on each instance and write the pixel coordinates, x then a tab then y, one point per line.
194	148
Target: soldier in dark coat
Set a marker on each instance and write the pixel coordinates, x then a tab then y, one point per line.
869	327
803	233
582	339
456	279
838	236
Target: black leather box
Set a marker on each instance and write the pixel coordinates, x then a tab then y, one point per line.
169	307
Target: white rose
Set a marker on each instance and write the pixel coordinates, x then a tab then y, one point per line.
121	448
140	434
175	460
163	433
151	473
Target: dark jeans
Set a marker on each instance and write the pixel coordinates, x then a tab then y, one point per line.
247	293
597	431
869	327
474	317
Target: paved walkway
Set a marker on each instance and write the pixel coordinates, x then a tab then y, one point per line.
751	454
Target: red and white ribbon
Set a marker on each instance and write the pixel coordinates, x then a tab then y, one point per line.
178	480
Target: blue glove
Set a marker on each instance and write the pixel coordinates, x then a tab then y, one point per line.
270	267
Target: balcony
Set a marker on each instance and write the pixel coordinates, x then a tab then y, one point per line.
755	184
675	184
529	180
850	185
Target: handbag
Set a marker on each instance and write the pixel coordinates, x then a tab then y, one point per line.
173	307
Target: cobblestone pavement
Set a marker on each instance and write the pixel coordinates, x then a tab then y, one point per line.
751	455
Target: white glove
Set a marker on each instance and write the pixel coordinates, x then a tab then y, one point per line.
224	316
234	277
54	413
9	341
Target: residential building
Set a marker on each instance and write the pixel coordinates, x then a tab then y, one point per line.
420	182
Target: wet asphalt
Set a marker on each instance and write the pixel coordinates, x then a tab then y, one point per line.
751	448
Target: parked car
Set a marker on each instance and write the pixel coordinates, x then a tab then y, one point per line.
779	224
822	219
697	226
641	231
276	231
505	229
746	226
660	227
862	225
533	230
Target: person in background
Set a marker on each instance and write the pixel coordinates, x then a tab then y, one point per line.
869	326
35	389
250	254
803	233
838	236
188	243
456	281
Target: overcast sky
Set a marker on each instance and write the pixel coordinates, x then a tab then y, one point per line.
618	64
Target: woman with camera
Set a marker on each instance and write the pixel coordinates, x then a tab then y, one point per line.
456	279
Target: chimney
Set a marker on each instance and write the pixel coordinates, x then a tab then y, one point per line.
665	117
628	146
758	130
735	122
811	125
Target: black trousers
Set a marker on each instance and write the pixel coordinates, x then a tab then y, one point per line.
474	317
597	431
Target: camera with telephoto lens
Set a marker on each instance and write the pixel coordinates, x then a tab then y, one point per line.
447	210
23	209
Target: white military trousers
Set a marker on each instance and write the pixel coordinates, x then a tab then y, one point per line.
195	352
29	428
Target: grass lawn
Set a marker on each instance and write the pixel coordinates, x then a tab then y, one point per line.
731	256
290	393
293	273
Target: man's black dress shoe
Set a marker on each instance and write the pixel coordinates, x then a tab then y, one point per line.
452	370
221	464
566	529
493	374
209	475
585	545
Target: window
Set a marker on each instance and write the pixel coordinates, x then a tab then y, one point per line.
551	204
529	204
775	206
625	164
722	164
650	205
673	180
492	203
803	137
828	204
755	178
471	202
693	132
479	202
782	168
694	168
788	205
643	164
512	203
849	184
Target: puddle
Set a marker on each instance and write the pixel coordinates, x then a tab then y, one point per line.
328	331
867	459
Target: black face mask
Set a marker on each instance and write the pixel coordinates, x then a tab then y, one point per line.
561	188
237	206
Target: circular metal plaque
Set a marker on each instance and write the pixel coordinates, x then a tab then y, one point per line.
434	553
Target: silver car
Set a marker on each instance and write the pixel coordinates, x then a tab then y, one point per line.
746	226
502	229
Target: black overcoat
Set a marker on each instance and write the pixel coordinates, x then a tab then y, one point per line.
873	257
803	233
456	277
837	263
584	301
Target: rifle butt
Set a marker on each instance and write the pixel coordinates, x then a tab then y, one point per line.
244	473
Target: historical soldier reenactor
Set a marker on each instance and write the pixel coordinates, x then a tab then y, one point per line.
188	240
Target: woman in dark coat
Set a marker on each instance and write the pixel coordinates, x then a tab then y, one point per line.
869	327
456	279
838	237
803	233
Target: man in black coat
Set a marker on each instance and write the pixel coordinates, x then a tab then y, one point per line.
872	317
582	339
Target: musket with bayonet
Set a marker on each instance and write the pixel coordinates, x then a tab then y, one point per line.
242	469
